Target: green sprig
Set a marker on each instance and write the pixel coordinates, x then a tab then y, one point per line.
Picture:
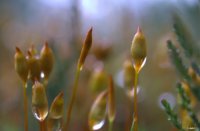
177	61
186	104
173	117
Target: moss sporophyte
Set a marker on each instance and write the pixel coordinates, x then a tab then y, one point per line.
84	52
139	54
31	67
21	67
37	68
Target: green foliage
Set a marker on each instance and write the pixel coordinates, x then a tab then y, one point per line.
183	36
172	116
191	52
177	61
186	104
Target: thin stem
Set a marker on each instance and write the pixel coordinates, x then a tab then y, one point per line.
45	125
134	126
72	99
42	125
25	108
110	125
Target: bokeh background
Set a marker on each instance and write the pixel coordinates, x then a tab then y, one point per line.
64	23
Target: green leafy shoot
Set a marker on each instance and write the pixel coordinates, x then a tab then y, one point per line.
172	116
186	104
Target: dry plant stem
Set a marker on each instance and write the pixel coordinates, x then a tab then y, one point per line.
78	70
25	108
110	125
134	126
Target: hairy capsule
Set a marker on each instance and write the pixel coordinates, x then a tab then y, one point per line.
138	50
85	49
56	110
39	101
47	60
21	65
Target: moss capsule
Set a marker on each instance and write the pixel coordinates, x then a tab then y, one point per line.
85	49
56	110
21	65
39	101
128	75
34	67
46	60
138	50
98	80
97	113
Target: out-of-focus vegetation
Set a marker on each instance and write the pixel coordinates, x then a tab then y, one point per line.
63	23
187	66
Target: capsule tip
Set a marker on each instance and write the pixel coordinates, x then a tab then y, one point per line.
29	53
46	44
139	30
90	32
61	94
17	49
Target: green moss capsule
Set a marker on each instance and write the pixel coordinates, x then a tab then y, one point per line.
97	113
128	75
56	110
34	67
39	101
32	50
46	60
21	65
98	80
138	50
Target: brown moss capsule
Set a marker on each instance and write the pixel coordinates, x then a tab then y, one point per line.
47	60
85	49
138	50
39	101
98	80
56	110
34	67
128	75
111	100
21	65
98	112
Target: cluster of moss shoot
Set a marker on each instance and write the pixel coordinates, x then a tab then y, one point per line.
37	68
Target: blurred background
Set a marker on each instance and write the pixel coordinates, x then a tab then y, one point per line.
64	24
